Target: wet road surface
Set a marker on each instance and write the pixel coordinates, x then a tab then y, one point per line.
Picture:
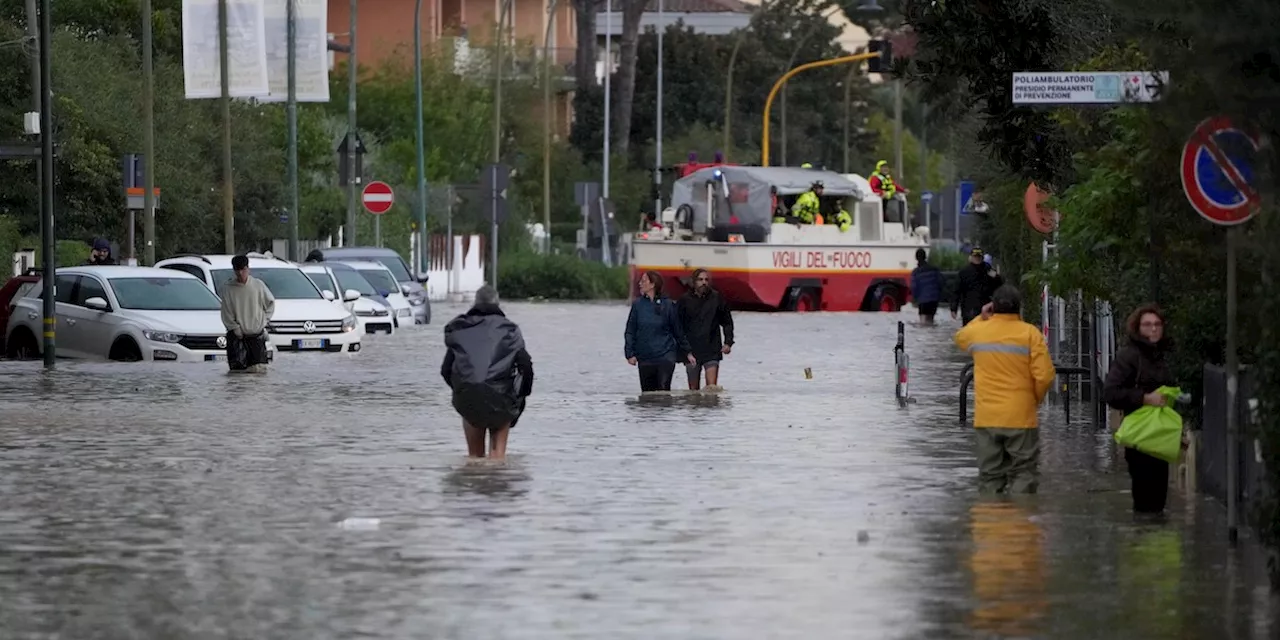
177	501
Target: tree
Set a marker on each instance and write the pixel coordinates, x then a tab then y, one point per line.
632	11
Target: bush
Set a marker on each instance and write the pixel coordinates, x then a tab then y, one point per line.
559	277
947	259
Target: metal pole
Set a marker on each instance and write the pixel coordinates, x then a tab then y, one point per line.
493	230
352	178
228	187
131	251
148	146
49	248
448	212
924	157
424	236
377	231
657	152
608	90
291	111
1233	407
546	120
497	82
848	114
897	130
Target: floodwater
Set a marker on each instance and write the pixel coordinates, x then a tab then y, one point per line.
331	499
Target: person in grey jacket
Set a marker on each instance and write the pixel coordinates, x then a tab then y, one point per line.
490	372
247	306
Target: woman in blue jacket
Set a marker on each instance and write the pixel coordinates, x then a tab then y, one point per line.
654	340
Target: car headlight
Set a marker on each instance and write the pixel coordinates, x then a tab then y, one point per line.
366	313
349	324
162	336
417	301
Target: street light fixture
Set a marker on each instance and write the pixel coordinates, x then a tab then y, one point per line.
870	6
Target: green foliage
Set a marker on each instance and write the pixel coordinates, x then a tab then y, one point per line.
947	259
560	277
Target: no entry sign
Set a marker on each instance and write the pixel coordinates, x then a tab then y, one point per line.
378	197
1218	172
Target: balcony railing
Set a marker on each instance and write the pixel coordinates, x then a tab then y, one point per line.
520	61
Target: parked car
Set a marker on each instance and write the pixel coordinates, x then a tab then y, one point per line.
123	313
349	278
385	283
371	316
12	291
303	321
412	287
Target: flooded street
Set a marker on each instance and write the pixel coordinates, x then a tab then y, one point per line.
153	501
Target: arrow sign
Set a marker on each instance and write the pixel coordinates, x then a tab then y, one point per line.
378	197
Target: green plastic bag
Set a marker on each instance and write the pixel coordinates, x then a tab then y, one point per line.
1155	431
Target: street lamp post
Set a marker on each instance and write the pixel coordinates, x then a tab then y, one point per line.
546	119
148	143
352	178
608	90
497	81
48	246
777	86
423	236
291	111
657	152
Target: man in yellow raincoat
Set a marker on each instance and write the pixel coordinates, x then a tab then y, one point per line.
809	205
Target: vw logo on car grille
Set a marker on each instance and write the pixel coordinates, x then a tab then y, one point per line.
309	326
222	342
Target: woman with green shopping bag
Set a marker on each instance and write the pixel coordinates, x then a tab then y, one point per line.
1139	370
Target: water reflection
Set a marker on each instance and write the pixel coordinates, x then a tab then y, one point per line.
507	480
1008	568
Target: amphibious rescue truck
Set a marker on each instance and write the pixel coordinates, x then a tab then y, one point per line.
721	218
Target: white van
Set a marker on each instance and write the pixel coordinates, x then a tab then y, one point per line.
303	321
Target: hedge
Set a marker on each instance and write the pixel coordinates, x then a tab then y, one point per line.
559	277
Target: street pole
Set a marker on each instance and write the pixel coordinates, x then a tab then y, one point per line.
848	114
37	102
493	221
924	157
352	188
657	152
49	248
228	188
424	264
608	91
291	110
897	130
547	114
1233	407
148	143
777	86
497	81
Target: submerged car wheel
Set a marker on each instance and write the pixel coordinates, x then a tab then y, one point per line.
125	350
889	300
806	301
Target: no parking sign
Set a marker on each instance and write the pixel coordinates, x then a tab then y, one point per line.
1218	172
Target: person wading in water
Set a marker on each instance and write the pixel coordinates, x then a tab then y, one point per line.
490	372
654	338
703	314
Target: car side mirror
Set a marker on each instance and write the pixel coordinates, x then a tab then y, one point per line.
423	278
350	295
328	295
404	288
97	304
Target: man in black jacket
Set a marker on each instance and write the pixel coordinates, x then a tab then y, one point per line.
703	314
975	284
489	371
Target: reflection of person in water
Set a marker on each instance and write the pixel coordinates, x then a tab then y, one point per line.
1008	571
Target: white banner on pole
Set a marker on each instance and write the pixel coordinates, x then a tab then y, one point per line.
246	49
313	51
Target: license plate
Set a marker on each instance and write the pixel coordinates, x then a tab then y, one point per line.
217	357
309	344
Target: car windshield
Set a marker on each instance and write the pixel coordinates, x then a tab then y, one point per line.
396	265
353	280
164	294
285	284
323	282
381	280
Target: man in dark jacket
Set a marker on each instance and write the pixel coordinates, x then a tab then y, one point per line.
926	287
976	282
703	314
489	371
101	254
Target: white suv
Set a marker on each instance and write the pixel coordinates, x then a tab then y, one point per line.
303	321
123	313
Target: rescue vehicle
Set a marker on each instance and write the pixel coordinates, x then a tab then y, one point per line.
721	218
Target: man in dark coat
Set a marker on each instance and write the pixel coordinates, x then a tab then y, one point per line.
101	254
974	286
926	287
703	315
489	371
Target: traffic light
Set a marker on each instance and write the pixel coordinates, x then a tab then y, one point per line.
884	62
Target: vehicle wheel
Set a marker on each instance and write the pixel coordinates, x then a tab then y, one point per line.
22	346
888	300
125	350
806	301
